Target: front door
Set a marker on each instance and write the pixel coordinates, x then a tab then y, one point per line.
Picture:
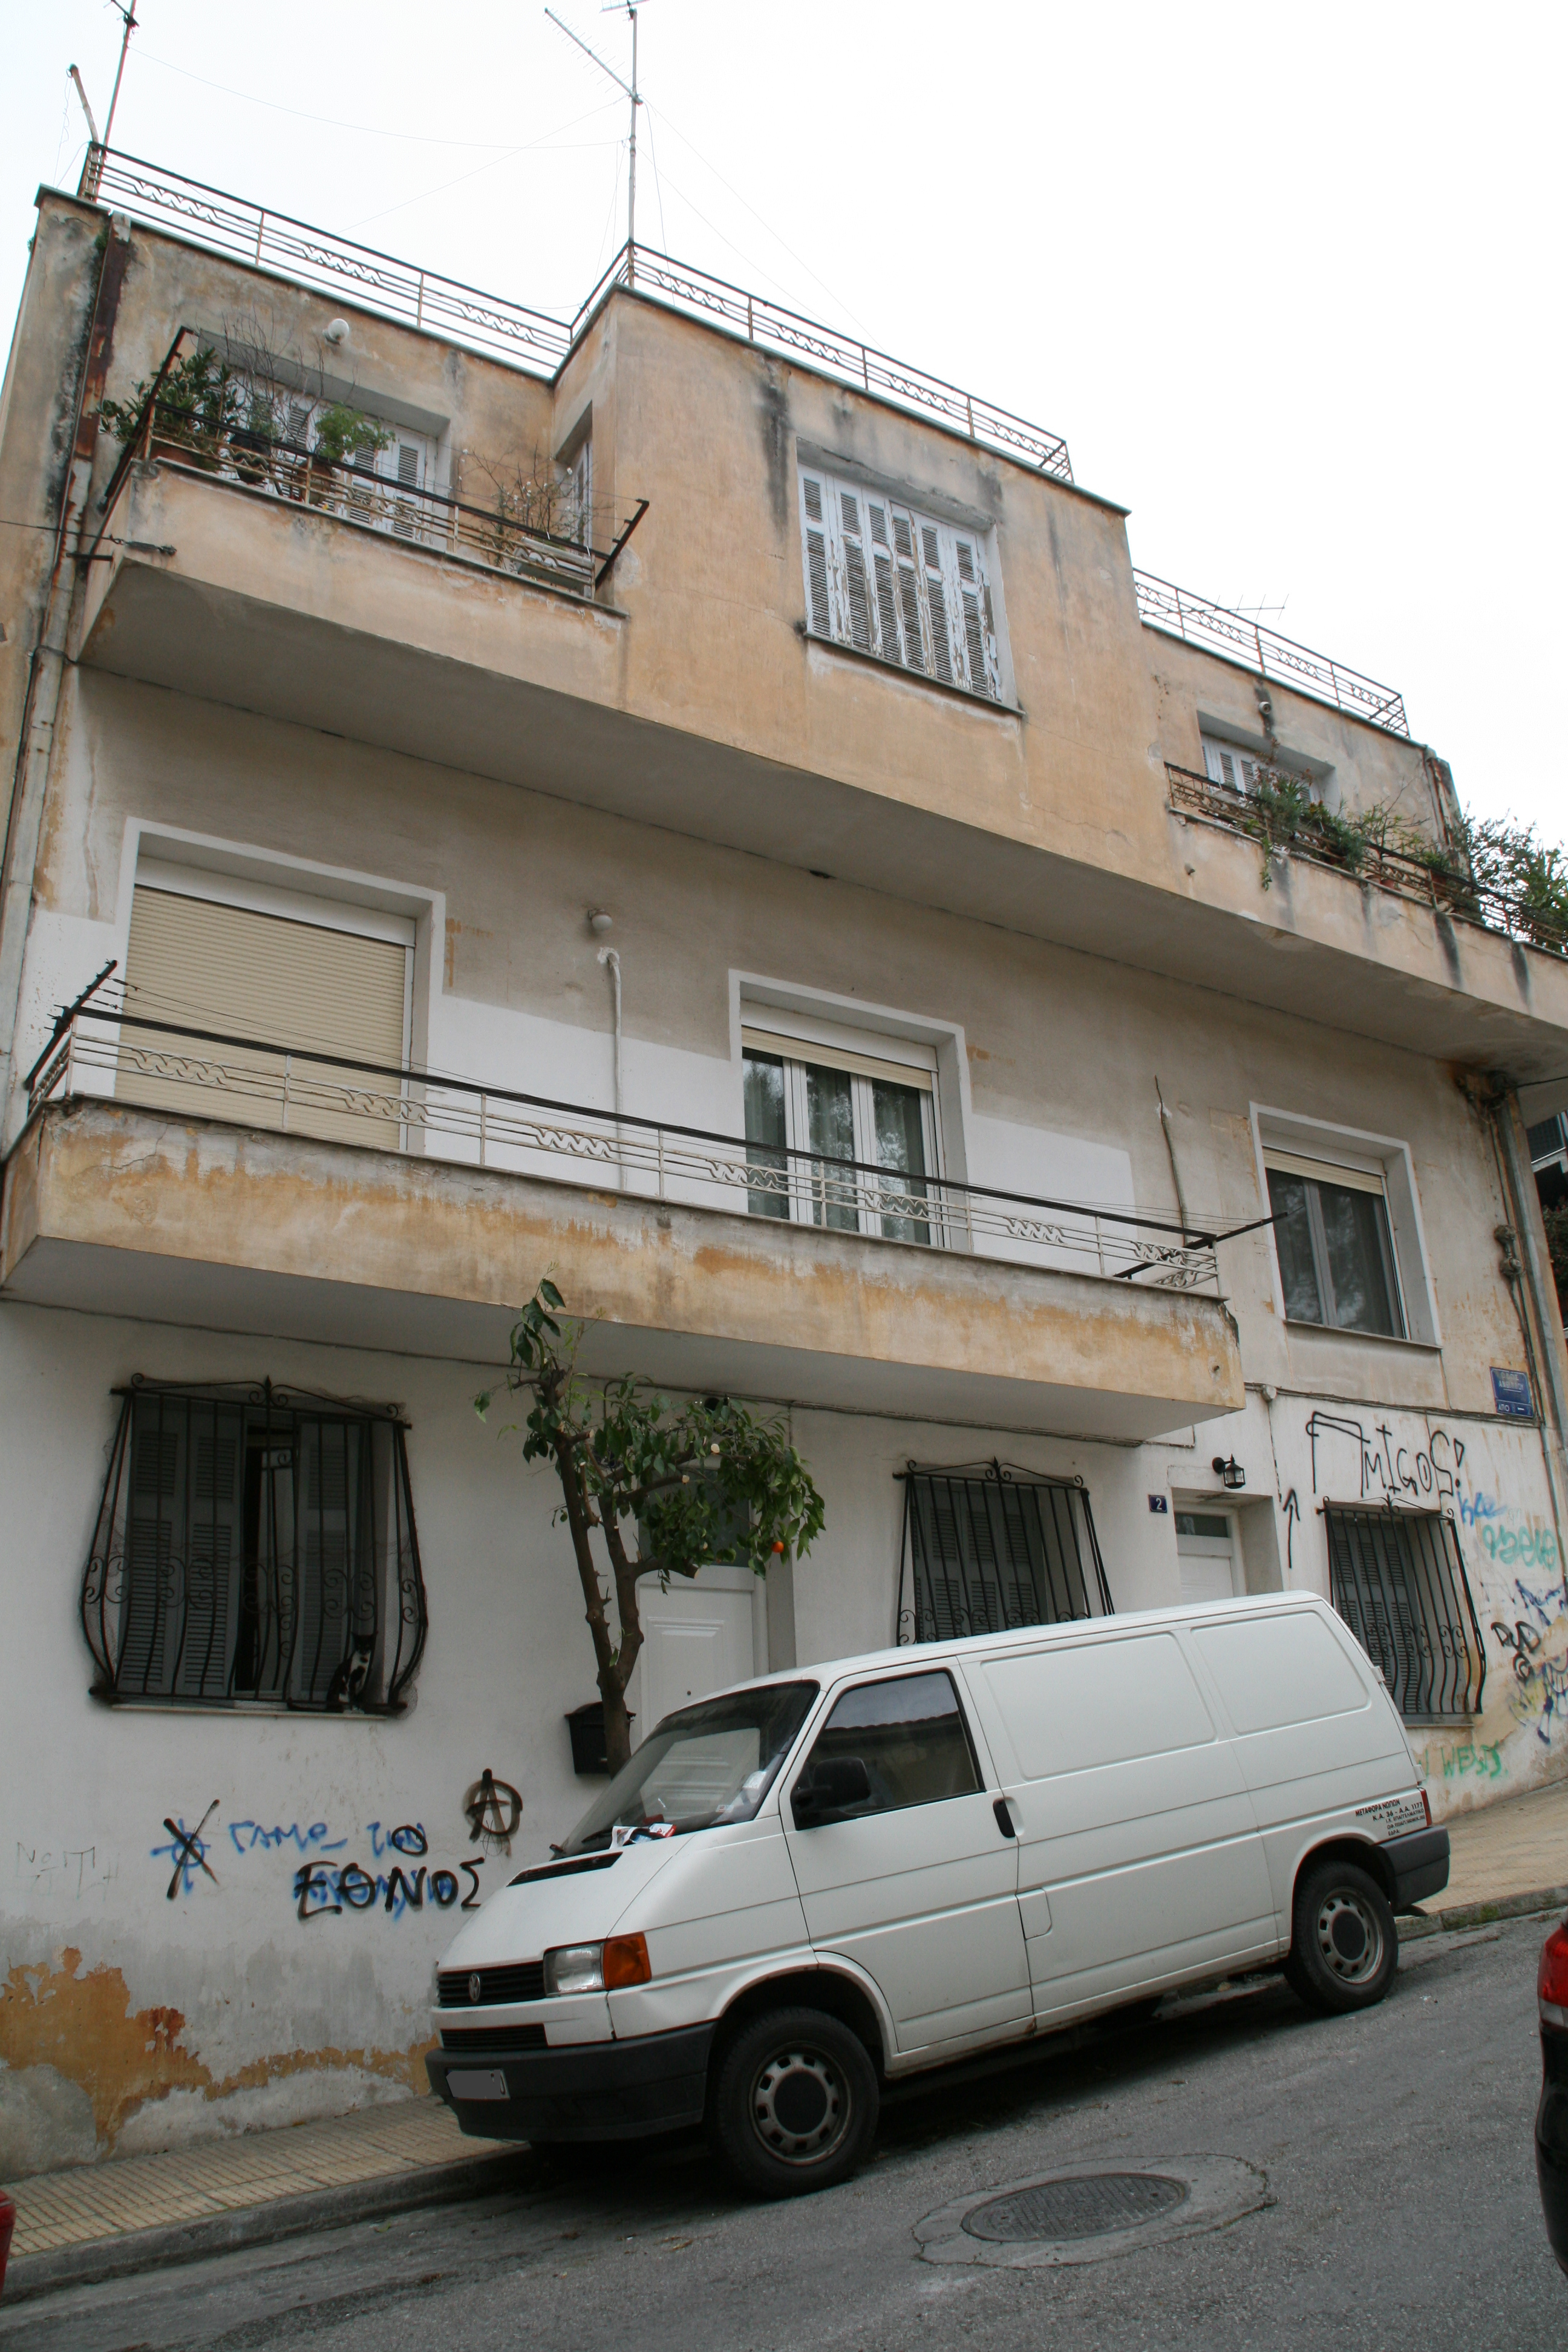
1205	1556
919	1887
698	1637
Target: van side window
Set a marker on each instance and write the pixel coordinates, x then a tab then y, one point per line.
909	1733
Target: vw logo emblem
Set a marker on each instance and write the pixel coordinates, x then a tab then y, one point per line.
475	1987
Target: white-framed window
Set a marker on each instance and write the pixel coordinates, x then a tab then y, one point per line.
897	584
578	519
1335	1245
864	1125
1237	771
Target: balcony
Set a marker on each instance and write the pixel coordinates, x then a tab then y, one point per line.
1178	613
280	1192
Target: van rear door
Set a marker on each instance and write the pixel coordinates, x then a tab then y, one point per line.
1139	1856
916	1880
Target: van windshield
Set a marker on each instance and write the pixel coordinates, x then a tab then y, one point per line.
707	1763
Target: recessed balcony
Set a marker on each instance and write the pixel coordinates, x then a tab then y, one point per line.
178	1178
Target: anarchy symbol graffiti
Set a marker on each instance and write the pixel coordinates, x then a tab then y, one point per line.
492	1809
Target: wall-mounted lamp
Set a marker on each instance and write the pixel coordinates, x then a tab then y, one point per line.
1229	1473
336	332
599	922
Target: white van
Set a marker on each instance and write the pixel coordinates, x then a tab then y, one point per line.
809	1885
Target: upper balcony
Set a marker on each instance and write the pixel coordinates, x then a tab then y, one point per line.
686	677
167	1172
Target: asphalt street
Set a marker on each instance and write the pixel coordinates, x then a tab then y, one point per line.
1396	2147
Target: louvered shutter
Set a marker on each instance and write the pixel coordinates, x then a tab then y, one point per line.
908	591
856	585
205	965
215	1528
937	602
813	533
882	569
979	638
407	457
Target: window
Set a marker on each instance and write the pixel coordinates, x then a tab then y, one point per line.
839	1138
577	522
990	1548
235	972
1238	770
1336	1252
711	1762
254	1545
909	1733
1398	1581
284	423
897	584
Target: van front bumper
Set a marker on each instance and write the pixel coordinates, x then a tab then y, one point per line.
594	2090
1420	1866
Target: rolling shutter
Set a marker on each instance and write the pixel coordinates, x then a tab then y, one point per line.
295	985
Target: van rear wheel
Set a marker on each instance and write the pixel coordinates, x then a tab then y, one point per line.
1344	1946
792	2104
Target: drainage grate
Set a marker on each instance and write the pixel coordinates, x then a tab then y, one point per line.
1086	2207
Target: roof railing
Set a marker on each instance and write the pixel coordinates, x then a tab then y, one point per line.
1180	613
531	340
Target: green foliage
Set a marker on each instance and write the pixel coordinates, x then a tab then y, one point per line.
345	434
1490	861
669	1487
200	398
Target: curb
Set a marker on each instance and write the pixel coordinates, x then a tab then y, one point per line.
257	2225
1414	1926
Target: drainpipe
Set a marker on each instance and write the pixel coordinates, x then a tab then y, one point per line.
46	672
608	956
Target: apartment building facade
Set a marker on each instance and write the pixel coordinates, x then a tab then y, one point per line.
676	802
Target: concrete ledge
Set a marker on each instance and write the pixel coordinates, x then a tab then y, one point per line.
259	2225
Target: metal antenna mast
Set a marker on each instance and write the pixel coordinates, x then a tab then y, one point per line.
630	87
129	16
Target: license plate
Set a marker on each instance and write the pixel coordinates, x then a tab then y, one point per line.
476	2083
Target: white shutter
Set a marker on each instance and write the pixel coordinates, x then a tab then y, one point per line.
887	608
581	491
814	539
857	582
204	965
937	602
979	636
911	607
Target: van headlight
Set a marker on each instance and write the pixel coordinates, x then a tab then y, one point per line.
597	1968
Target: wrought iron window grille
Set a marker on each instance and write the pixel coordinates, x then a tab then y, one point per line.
1397	1578
987	1548
254	1547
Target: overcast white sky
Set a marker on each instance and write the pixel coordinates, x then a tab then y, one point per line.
1288	279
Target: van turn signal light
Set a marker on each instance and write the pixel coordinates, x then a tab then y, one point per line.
625	1962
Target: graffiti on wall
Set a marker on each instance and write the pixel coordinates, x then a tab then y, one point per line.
74	1871
321	1886
1429	1472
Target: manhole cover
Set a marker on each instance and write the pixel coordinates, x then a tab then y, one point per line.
1083	2207
1091	2213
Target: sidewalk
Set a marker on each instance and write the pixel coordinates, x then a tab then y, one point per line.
103	2220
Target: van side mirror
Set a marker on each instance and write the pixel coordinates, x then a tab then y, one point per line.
827	1791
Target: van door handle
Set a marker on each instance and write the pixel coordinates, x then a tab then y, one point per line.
1003	1818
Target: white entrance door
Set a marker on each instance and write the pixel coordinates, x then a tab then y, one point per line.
1206	1558
698	1637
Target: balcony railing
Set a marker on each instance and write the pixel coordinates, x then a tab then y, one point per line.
1444	889
1180	613
264	1083
220	449
529	339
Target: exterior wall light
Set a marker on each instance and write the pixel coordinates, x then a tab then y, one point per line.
599	922
1229	1473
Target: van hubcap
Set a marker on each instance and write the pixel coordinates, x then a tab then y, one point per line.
799	2105
1350	1938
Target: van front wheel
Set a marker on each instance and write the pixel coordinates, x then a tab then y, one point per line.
1344	1946
793	2103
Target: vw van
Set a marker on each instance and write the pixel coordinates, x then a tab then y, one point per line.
814	1883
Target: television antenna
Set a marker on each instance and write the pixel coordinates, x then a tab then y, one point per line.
631	91
129	16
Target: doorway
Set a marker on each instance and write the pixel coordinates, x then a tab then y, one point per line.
704	1633
1208	1558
